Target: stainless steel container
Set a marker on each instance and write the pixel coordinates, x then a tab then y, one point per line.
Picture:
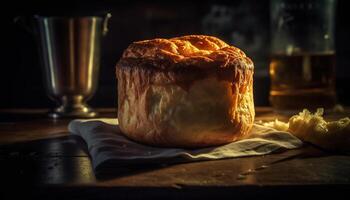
70	52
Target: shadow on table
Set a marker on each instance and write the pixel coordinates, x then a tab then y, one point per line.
65	159
112	173
66	146
52	160
59	160
20	115
116	169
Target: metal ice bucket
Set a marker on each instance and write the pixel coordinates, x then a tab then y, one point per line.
70	52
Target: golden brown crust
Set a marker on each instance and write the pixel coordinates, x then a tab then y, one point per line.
185	99
188	51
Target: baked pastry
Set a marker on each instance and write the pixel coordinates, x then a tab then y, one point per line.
190	91
313	128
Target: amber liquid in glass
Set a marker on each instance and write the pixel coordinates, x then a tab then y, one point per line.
302	81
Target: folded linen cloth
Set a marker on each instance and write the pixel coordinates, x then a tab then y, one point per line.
108	147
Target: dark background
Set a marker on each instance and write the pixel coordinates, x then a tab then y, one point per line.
243	23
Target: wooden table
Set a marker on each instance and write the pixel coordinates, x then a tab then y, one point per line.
40	159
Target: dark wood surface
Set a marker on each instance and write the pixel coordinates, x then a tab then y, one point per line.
40	159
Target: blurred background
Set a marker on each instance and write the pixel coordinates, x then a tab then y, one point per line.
242	23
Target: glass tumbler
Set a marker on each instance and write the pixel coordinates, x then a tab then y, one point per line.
302	59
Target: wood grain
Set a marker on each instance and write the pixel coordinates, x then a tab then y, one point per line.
40	158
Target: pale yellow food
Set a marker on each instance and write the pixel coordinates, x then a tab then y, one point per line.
315	129
190	91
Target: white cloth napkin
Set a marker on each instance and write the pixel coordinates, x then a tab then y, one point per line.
109	148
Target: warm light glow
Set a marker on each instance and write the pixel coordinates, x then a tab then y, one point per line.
191	47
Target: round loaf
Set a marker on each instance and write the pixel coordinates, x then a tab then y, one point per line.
190	91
